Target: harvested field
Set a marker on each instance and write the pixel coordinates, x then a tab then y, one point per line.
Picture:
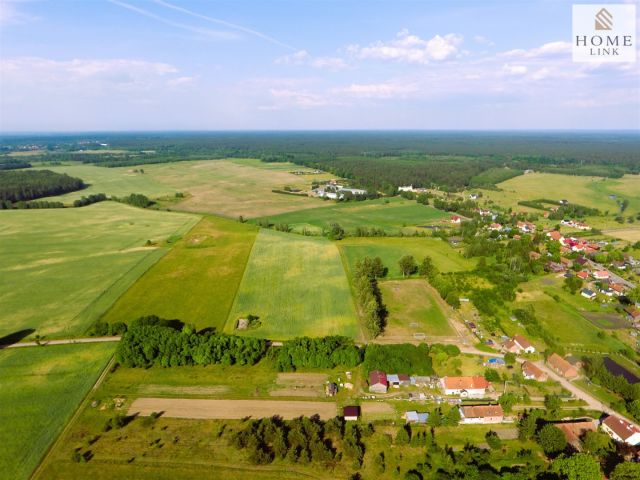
170	390
369	408
304	379
231	409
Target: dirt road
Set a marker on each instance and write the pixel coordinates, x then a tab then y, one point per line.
65	341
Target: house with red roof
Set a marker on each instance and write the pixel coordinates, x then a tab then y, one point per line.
378	382
621	430
465	386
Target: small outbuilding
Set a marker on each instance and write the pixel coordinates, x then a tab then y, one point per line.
351	413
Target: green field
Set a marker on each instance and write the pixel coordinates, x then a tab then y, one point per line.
413	308
117	182
196	281
391	214
41	388
60	269
392	249
297	286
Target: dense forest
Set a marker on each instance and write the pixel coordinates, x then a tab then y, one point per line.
374	160
20	185
8	163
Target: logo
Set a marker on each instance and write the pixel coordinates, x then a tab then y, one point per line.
604	20
604	33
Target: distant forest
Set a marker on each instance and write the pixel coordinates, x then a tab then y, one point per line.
374	160
22	185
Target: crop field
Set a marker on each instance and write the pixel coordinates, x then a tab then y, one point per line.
296	286
117	182
630	234
196	281
392	249
233	188
413	309
41	388
72	264
389	214
588	191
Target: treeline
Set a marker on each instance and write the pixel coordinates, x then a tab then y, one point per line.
136	200
324	352
562	211
8	163
36	204
365	284
153	341
400	358
93	198
24	185
595	369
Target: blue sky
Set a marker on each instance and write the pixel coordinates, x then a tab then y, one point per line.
301	64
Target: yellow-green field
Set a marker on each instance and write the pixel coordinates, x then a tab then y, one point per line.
196	281
60	269
40	388
413	308
297	286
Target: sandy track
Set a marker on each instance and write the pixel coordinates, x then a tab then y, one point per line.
231	409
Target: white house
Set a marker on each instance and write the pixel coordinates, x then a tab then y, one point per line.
465	386
483	414
621	430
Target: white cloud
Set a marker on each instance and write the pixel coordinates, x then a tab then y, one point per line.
547	50
299	98
514	69
302	57
379	90
410	48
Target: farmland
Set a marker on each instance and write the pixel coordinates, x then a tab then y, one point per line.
391	249
392	215
72	264
413	309
235	187
196	281
296	286
41	388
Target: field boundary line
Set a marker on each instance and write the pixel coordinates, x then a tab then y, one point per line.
347	272
81	406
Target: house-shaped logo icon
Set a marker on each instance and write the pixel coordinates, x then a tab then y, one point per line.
604	20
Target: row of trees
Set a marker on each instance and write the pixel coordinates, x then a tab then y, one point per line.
136	200
35	204
24	185
368	294
324	352
630	393
93	198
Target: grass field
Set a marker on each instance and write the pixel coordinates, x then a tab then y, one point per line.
392	249
588	191
41	388
117	182
196	281
390	214
236	187
297	286
413	309
72	264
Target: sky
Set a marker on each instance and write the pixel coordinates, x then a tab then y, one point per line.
116	65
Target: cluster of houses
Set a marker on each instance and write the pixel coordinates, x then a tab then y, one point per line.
469	415
575	224
412	189
380	382
335	191
526	227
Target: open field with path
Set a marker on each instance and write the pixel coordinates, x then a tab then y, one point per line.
412	309
231	409
297	286
40	390
72	264
392	249
236	187
196	281
392	214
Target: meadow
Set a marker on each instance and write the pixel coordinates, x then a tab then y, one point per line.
72	264
41	388
390	214
118	182
236	187
196	281
413	309
297	286
392	249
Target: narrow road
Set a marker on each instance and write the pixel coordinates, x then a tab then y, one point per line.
613	276
64	341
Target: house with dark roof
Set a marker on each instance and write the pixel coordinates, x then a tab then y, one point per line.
351	413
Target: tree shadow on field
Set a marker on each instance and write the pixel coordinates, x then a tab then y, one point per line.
15	337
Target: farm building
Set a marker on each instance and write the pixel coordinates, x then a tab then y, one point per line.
483	414
574	430
416	417
583	274
555	235
495	227
465	386
456	219
331	389
554	267
398	380
561	366
378	382
351	413
621	430
633	314
519	344
532	372
601	275
586	293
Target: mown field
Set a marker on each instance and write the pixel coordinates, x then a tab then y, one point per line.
236	187
41	388
196	281
61	269
392	215
392	249
413	309
118	182
297	286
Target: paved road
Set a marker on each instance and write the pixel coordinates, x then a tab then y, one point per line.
613	276
65	341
